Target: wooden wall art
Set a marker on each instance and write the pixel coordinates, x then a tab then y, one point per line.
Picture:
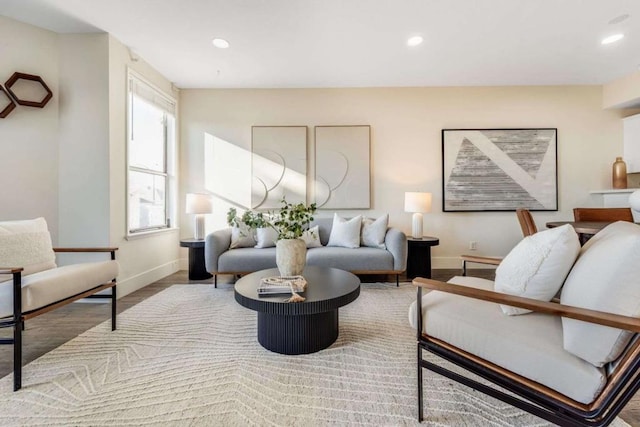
22	76
9	107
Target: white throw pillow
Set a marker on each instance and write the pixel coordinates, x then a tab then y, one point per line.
606	278
266	237
345	233
374	231
537	266
242	237
26	244
311	237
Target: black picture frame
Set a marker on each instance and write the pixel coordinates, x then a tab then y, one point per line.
499	170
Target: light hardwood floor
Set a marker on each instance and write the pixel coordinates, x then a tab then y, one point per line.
53	329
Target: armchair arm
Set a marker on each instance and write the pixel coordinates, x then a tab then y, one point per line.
592	316
88	250
11	270
216	244
478	260
396	243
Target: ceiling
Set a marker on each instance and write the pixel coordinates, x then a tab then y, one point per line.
359	43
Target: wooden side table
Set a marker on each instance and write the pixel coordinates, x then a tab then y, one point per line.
197	269
419	256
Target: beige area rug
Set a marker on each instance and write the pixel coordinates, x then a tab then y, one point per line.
189	356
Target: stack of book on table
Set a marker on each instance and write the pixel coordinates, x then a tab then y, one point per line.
281	285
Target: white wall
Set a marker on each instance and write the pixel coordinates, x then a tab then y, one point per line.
146	259
406	126
29	136
84	140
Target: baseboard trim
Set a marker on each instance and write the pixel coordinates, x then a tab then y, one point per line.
133	283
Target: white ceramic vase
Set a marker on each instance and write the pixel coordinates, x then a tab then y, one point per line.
291	256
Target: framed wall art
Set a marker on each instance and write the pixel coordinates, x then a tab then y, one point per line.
342	167
499	169
278	165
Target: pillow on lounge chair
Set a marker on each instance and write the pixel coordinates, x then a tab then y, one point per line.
606	277
537	266
26	244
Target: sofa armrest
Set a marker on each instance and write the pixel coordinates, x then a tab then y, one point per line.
396	243
592	316
216	244
481	259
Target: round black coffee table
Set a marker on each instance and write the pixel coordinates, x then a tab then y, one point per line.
303	327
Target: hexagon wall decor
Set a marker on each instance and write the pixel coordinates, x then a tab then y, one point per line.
10	105
22	76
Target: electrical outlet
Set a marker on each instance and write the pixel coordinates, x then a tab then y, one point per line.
473	245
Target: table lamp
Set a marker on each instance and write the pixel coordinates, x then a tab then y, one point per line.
199	204
418	203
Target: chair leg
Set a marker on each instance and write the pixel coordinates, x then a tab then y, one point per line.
397	280
420	417
113	308
17	354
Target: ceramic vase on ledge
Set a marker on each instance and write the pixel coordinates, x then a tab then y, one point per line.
619	174
291	256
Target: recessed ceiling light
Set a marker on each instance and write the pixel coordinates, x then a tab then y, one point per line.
612	39
415	41
220	43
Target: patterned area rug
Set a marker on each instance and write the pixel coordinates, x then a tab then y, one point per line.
189	356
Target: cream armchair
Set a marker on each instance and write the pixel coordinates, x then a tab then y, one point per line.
576	362
32	284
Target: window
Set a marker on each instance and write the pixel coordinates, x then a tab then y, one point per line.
150	157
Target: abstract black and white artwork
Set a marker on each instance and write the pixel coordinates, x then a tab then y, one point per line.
499	169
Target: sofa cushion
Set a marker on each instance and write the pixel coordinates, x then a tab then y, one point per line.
606	277
530	346
345	232
311	237
26	244
359	259
247	259
242	237
46	287
537	266
373	232
266	237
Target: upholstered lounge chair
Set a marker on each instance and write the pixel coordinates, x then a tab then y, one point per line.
31	284
572	363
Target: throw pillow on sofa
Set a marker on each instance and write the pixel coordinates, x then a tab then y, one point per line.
537	266
606	277
374	231
242	237
266	237
345	233
311	237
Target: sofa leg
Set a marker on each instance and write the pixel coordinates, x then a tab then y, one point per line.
215	281
113	308
397	280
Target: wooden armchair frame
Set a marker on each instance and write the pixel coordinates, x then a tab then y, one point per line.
532	397
19	317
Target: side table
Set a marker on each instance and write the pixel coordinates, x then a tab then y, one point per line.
197	269
419	256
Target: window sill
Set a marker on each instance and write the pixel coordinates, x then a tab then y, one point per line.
150	233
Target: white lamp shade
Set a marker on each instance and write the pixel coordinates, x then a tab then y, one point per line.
199	203
634	201
417	202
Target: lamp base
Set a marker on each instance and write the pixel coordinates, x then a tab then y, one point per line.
416	229
199	227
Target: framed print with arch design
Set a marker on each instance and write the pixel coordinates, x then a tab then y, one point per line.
499	169
278	165
342	167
